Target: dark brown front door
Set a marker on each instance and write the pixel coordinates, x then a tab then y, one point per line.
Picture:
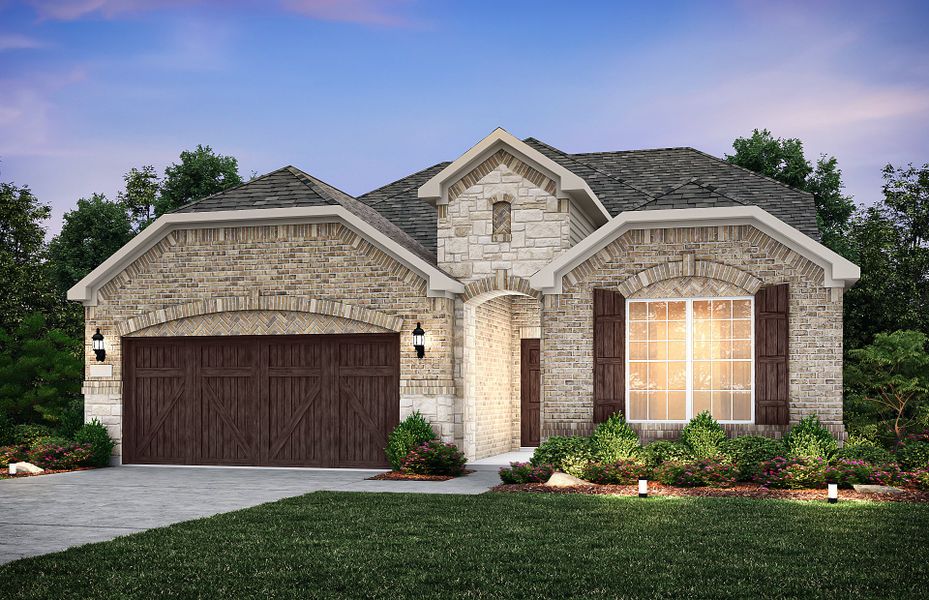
322	400
530	381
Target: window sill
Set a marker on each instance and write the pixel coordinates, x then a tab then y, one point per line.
502	237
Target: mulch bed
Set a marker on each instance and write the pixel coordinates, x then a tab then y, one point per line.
738	491
6	473
398	476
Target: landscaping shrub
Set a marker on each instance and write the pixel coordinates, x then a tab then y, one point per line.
748	452
704	472
96	436
55	457
30	434
918	479
523	472
613	441
71	419
913	455
6	430
703	436
847	472
412	431
663	451
11	454
793	473
434	458
858	448
568	454
810	439
624	472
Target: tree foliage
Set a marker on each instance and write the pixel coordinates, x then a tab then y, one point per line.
783	160
200	173
140	195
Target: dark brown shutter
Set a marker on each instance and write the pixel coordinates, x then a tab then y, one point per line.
772	389
609	354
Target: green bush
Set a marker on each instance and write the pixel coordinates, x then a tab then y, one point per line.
522	472
918	479
60	458
793	473
30	434
913	455
434	458
6	430
810	439
12	454
703	472
613	441
71	419
749	451
624	472
847	472
703	436
95	435
412	431
859	448
568	454
662	451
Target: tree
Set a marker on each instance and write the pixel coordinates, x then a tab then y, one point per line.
40	371
200	173
90	234
22	252
140	196
783	160
890	242
892	373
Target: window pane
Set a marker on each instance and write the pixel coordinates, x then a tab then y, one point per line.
742	309
702	350
638	406
638	351
722	406
741	375
657	311
703	375
658	376
677	311
677	406
722	309
702	331
638	375
742	349
677	350
701	401
741	329
701	309
638	331
637	311
658	330
657	350
720	348
722	375
658	406
741	406
677	375
722	330
677	330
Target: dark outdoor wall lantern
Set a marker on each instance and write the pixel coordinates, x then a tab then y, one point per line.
99	350
419	340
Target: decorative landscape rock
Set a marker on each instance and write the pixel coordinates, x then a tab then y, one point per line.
876	489
24	467
559	479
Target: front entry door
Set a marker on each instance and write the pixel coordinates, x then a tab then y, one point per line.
530	382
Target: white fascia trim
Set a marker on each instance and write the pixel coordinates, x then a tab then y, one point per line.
838	272
438	283
576	187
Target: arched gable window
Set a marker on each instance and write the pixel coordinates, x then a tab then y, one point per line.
501	212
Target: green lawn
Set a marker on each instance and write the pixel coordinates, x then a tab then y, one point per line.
504	545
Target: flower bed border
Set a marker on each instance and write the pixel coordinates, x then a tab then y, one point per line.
398	476
6	474
736	491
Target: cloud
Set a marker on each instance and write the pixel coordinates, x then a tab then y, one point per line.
70	10
16	41
366	12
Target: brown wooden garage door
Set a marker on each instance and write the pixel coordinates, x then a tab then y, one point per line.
319	401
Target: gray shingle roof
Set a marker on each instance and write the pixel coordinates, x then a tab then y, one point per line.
290	187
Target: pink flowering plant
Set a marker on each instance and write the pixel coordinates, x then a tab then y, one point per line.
622	472
523	472
12	454
792	473
848	472
57	457
918	479
434	458
706	472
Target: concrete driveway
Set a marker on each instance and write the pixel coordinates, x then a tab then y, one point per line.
49	513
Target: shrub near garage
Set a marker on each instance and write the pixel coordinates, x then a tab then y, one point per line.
54	457
96	436
522	472
434	458
412	431
568	454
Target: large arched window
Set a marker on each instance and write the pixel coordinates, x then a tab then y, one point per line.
501	212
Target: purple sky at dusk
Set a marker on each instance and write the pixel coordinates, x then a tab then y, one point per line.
362	92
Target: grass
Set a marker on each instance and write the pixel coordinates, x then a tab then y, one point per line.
503	546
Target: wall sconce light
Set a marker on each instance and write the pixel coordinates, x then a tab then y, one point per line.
419	340
643	488
99	349
833	493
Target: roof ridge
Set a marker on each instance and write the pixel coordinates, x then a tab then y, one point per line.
316	184
747	170
229	189
592	168
663	149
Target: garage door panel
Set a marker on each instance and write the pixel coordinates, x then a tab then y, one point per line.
286	400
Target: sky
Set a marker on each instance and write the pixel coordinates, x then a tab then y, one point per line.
362	92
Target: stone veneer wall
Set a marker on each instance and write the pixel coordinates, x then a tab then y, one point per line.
493	408
701	261
252	279
526	323
540	222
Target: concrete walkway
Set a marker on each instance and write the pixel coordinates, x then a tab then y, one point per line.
49	513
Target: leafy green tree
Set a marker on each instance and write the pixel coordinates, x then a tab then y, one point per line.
200	173
892	374
40	371
22	251
783	159
140	196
